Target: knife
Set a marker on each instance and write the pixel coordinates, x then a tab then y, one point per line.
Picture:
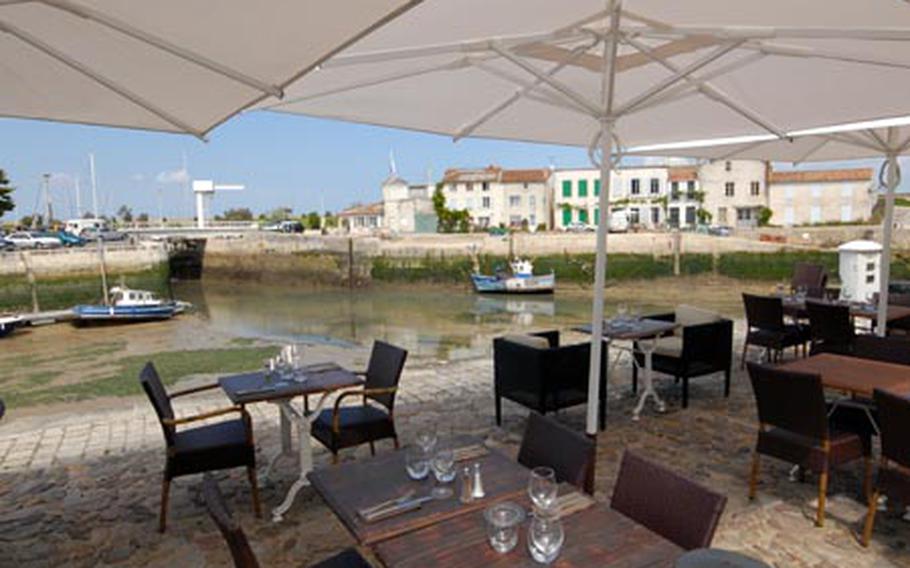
398	509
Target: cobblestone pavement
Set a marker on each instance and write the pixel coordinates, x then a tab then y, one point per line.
81	490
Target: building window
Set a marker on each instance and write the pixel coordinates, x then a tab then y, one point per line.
690	215
755	188
655	215
744	214
515	220
525	185
485	202
452	187
582	215
485	186
582	188
484	222
567	188
634	216
730	189
728	166
674	190
673	219
469	186
655	186
514	201
532	220
596	187
690	187
722	215
566	217
532	201
636	186
596	216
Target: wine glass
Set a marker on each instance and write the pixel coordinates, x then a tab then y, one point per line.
542	489
443	465
545	538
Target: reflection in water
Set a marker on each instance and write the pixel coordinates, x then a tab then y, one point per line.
431	322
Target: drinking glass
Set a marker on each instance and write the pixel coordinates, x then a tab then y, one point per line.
503	520
542	489
545	538
426	438
443	465
622	311
417	462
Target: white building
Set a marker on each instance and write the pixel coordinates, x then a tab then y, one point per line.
684	199
495	197
407	208
734	191
821	196
362	218
639	190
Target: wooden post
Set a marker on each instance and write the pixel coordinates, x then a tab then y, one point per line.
103	271
351	262
33	286
677	245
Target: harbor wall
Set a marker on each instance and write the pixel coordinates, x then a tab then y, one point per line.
84	260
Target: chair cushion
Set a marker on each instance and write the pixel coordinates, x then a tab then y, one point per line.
347	558
690	315
534	341
214	446
806	452
357	425
670	346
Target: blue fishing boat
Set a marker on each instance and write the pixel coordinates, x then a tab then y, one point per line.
520	280
8	324
130	305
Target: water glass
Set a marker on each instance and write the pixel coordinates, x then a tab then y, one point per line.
426	438
545	538
622	311
417	462
542	489
503	520
443	465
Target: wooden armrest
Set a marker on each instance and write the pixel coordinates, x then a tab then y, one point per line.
193	390
336	417
203	416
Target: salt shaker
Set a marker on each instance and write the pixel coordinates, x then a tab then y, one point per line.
477	492
467	486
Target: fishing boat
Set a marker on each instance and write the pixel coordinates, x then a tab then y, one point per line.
8	324
520	279
130	305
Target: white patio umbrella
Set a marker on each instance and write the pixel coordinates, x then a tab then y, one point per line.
621	72
887	138
172	65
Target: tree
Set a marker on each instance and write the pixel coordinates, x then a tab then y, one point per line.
125	213
331	221
703	215
279	214
6	197
312	220
449	220
238	214
143	218
764	216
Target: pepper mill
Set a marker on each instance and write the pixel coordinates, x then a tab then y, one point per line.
467	486
478	492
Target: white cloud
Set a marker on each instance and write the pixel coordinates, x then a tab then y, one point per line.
173	176
138	177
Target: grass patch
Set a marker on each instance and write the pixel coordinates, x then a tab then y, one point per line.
172	365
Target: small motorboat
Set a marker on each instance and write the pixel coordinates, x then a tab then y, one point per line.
8	324
519	280
130	305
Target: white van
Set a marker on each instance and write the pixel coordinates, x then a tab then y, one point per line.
77	226
619	221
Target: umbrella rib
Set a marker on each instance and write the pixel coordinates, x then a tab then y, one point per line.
164	45
684	72
471	126
541	95
708	89
800	51
768	32
98	78
565	90
824	142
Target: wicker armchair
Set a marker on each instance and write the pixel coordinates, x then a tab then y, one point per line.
538	373
570	454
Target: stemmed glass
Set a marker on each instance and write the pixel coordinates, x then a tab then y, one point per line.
545	538
443	465
542	490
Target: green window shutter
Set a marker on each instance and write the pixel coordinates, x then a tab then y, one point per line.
566	217
583	215
597	216
596	187
582	188
567	188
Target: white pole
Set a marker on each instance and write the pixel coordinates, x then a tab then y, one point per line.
887	229
600	263
78	199
91	167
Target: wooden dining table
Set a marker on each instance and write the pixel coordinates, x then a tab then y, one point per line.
448	533
854	376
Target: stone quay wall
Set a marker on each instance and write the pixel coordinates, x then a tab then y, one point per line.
137	257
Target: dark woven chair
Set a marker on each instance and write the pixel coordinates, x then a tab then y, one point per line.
223	445
2	408
886	349
766	327
793	427
240	548
701	349
547	377
812	277
831	328
570	453
674	507
372	420
894	471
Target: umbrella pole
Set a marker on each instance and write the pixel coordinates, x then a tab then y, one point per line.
600	270
888	228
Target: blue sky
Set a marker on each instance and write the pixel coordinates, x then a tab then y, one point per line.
283	160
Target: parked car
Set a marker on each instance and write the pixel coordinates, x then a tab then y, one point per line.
578	227
33	240
290	227
720	231
6	245
105	235
69	239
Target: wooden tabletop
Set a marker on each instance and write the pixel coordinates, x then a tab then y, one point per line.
257	387
632	330
597	536
795	307
348	487
854	375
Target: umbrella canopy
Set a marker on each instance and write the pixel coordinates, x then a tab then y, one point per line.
887	139
171	65
601	73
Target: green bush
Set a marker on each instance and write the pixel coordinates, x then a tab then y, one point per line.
771	266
